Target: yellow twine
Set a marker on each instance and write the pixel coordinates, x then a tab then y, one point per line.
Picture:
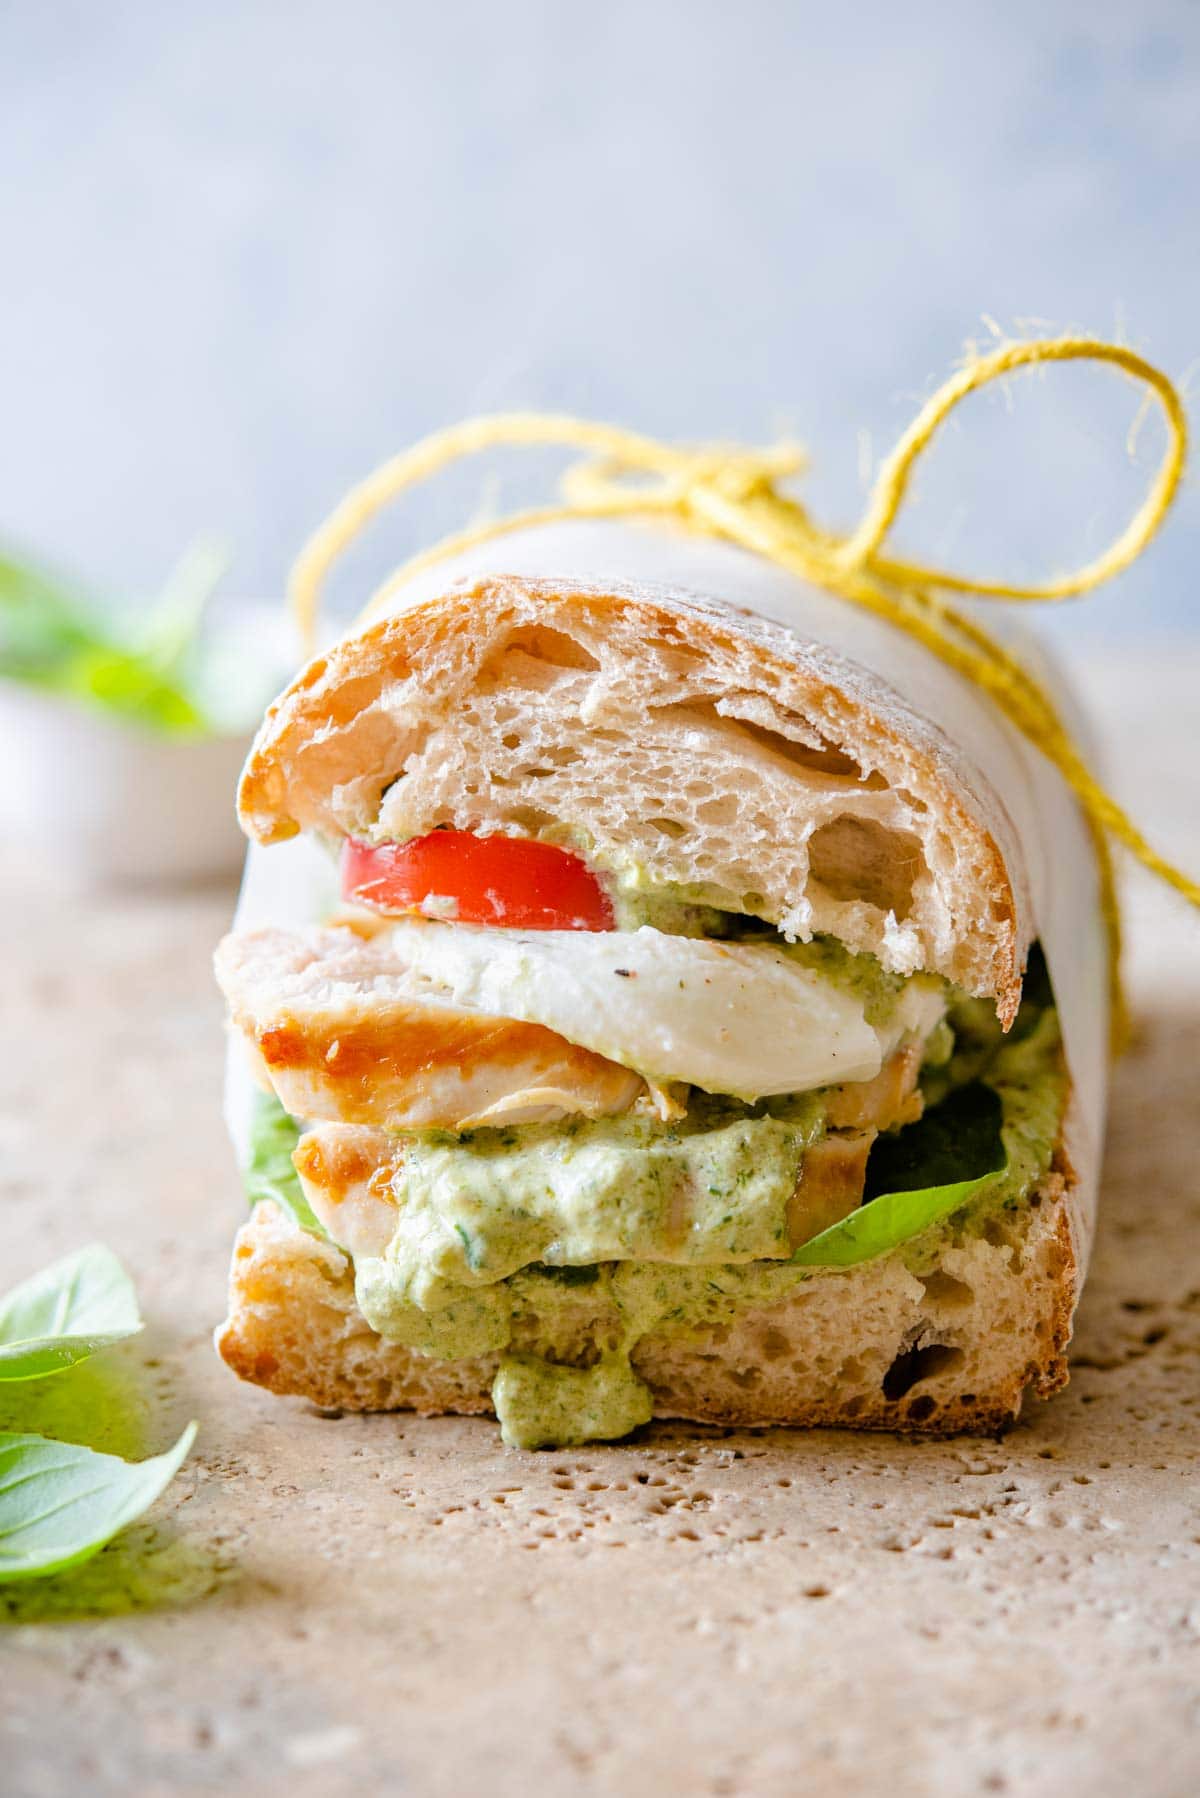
731	493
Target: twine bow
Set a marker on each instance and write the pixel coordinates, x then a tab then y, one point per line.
732	493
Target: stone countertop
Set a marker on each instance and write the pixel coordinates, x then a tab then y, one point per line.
333	1604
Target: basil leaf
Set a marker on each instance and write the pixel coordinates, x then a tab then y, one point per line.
60	1504
65	1313
126	684
916	1177
49	639
957	1140
886	1222
269	1174
40	624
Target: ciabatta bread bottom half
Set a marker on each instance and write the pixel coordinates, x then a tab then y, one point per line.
877	1346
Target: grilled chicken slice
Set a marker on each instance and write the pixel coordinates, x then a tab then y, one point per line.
335	1028
886	1102
346	1171
830	1186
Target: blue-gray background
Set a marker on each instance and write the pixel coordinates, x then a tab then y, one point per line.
251	249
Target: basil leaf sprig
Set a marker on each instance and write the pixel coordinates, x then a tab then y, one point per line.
53	640
61	1502
918	1177
58	1317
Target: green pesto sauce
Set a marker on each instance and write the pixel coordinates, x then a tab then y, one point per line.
670	910
542	1405
712	1187
862	975
1031	1078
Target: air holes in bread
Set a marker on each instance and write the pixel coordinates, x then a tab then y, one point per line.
721	809
822	758
945	1290
918	1364
530	820
858	858
536	656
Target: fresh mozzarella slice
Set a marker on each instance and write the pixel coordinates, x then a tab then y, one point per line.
737	1018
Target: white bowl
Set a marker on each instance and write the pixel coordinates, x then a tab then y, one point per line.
105	802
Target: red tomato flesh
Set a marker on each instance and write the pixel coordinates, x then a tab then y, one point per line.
515	883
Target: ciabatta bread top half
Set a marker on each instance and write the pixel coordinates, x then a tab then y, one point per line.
679	741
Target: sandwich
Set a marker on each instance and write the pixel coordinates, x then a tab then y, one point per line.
657	993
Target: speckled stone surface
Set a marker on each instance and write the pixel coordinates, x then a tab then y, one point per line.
324	1605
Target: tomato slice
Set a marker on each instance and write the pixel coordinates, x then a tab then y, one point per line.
515	883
